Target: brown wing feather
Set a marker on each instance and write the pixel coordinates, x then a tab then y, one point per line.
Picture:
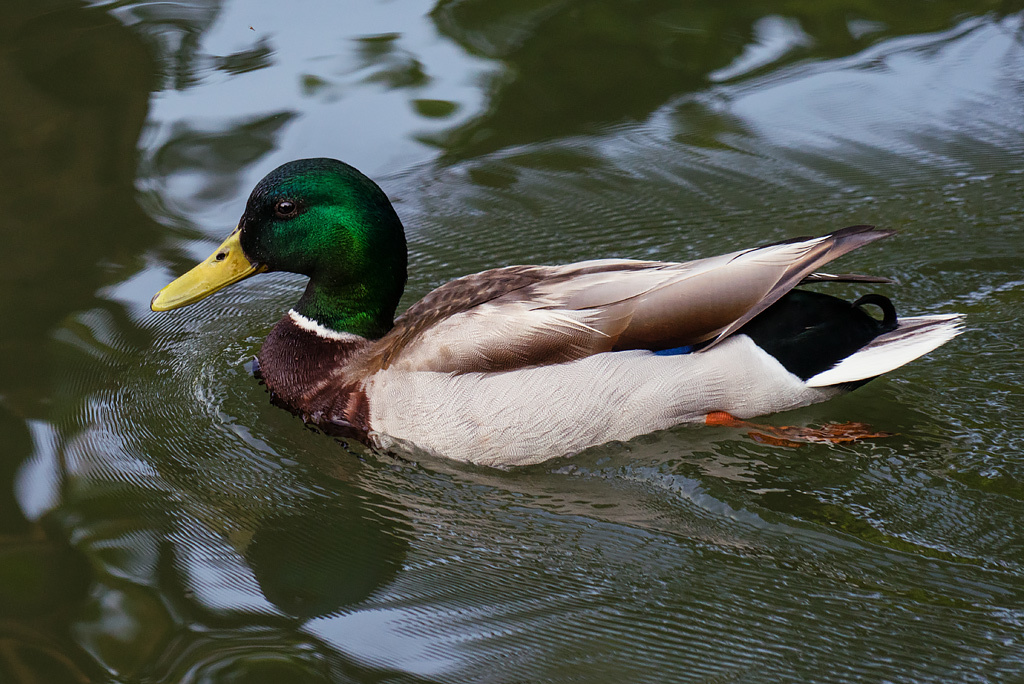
715	297
530	315
452	298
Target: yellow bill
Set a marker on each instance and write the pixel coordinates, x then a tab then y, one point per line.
228	264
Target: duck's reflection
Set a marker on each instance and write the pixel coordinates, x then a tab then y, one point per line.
184	576
318	561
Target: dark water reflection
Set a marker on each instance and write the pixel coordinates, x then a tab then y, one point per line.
161	521
569	64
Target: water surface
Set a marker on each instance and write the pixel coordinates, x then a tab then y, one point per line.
161	521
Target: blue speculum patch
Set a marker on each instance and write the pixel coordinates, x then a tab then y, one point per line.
674	351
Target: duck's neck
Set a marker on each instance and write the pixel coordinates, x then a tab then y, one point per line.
357	291
354	308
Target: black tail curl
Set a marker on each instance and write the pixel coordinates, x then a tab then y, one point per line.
883	303
810	332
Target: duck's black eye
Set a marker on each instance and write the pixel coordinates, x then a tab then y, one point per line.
286	209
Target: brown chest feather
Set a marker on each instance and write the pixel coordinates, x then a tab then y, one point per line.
305	374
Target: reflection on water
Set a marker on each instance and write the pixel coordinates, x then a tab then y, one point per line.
576	67
161	521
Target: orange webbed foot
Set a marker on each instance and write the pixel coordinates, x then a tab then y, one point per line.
794	435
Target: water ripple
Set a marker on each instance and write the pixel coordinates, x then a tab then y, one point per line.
241	537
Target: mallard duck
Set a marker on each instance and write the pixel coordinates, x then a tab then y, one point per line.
520	364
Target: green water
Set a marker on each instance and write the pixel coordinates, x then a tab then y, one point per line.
161	521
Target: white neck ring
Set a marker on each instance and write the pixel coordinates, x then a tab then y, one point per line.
309	325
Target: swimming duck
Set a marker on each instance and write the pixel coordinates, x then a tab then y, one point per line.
520	364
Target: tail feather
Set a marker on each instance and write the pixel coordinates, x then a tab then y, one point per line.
913	337
846	278
797	259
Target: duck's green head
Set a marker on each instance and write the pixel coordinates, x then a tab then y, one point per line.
321	218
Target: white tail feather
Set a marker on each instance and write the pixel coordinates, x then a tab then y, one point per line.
915	336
